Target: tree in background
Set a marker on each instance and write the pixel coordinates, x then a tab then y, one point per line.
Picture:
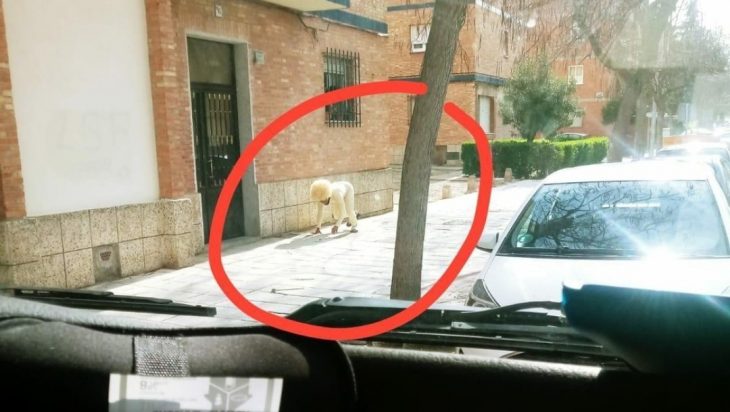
616	32
692	54
657	54
536	101
609	113
626	36
655	50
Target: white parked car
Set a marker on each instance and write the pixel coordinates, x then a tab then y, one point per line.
720	166
639	224
696	149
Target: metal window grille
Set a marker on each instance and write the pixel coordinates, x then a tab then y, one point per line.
342	69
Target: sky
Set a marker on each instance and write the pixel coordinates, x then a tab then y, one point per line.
716	13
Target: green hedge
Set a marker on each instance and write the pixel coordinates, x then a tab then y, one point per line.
537	159
469	159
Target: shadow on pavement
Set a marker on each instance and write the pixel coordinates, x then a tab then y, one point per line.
312	240
236	245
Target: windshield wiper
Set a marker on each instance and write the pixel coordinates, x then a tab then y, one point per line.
512	313
103	300
353	311
526	326
596	252
566	251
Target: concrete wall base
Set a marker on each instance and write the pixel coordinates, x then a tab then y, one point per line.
79	249
285	206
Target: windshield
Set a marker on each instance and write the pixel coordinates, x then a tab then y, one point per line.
636	218
329	149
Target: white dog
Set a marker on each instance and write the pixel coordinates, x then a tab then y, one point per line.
342	197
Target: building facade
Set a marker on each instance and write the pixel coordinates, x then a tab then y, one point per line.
573	58
595	85
484	57
120	121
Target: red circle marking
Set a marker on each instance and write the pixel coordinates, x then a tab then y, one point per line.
279	124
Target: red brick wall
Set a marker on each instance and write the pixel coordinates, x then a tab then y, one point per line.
293	71
493	55
403	62
479	50
463	94
596	80
592	119
398	119
12	197
480	47
171	104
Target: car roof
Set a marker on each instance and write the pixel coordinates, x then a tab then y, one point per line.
632	171
702	157
695	146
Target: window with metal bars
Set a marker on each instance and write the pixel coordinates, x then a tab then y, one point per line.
342	69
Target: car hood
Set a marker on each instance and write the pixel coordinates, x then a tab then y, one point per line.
519	279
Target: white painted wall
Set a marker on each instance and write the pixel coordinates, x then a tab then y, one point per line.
81	89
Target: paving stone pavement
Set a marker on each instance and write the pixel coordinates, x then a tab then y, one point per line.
280	274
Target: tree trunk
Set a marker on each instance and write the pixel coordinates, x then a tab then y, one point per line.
448	18
659	132
641	129
622	128
653	19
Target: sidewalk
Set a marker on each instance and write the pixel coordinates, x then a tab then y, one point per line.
281	274
440	176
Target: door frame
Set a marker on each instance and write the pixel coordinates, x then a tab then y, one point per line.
242	80
202	147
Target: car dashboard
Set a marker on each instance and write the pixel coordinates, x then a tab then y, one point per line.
55	358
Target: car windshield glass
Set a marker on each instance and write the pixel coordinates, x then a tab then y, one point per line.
621	218
216	157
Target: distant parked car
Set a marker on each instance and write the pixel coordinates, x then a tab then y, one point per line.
638	224
723	135
569	136
696	149
722	132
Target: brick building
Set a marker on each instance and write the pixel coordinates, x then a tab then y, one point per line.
484	58
572	58
119	121
595	85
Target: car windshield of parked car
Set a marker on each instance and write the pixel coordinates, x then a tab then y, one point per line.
641	218
712	151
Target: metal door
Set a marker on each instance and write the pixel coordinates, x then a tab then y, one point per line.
216	150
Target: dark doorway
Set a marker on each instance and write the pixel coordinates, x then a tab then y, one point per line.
215	128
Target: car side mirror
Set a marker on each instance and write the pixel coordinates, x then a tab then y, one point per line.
488	241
